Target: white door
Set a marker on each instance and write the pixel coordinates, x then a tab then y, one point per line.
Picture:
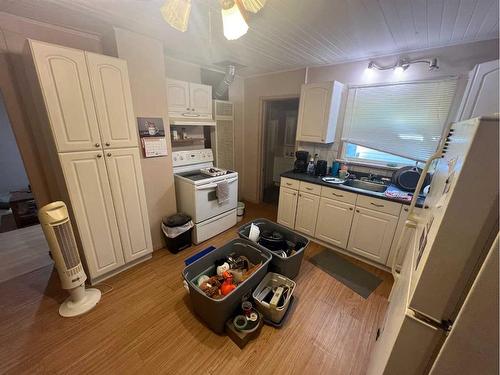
113	100
65	85
200	98
334	222
314	111
307	211
92	204
371	234
178	96
287	207
481	96
127	188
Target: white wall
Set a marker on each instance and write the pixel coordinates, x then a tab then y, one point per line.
13	175
149	97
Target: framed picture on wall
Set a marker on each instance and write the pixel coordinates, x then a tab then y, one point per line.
150	127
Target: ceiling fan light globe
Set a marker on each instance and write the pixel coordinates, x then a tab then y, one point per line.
253	5
233	23
176	13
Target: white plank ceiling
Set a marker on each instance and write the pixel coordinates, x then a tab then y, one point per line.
286	34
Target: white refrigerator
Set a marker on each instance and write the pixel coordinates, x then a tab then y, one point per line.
443	309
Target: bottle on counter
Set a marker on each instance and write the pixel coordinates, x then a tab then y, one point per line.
310	167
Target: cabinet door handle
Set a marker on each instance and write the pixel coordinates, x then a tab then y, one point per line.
192	109
376	205
308	188
97	145
99	155
108	154
405	209
357	211
187	109
350	208
289	184
300	195
338	195
108	144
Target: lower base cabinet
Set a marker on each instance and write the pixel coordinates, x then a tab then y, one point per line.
372	233
366	226
287	207
307	212
334	222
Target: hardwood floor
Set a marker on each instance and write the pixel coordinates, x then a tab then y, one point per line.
22	251
144	325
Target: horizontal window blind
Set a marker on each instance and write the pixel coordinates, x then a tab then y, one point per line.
404	119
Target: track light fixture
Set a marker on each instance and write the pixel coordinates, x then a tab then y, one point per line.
402	64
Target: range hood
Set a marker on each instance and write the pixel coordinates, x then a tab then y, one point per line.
191	121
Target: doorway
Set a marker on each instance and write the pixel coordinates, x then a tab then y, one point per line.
23	247
279	128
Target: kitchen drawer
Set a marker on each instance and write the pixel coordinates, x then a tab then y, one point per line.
310	188
338	195
289	183
380	205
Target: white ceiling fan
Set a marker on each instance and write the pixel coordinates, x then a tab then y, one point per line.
176	14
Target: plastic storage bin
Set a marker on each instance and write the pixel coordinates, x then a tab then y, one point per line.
288	266
178	230
273	280
215	312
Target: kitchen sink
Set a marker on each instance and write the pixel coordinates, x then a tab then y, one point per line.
366	185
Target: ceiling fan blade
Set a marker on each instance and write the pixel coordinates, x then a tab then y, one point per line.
176	13
253	5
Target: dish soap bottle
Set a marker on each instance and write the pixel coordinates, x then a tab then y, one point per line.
310	166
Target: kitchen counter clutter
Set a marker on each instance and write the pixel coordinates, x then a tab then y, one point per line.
318	181
360	223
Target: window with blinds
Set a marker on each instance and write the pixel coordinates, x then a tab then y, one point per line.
401	119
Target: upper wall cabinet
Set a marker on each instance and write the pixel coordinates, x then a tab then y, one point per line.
177	96
319	111
67	93
187	99
113	100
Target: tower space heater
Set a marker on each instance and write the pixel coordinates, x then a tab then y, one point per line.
57	228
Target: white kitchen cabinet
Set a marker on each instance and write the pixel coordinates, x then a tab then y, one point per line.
178	96
319	111
92	204
125	178
88	109
371	234
307	212
188	99
334	222
399	230
67	95
113	100
200	97
481	94
287	207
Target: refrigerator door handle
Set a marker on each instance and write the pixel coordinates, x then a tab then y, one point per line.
409	224
427	166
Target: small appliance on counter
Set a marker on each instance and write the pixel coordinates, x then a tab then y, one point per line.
321	168
300	165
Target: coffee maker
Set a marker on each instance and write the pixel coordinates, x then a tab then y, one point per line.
300	165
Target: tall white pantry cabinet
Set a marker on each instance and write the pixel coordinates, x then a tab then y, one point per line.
86	100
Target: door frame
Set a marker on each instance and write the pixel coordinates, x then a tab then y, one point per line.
263	100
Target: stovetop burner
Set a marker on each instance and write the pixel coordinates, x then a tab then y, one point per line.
213	172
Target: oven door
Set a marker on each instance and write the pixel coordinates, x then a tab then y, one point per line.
206	203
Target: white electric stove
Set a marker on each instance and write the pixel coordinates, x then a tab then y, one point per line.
196	193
